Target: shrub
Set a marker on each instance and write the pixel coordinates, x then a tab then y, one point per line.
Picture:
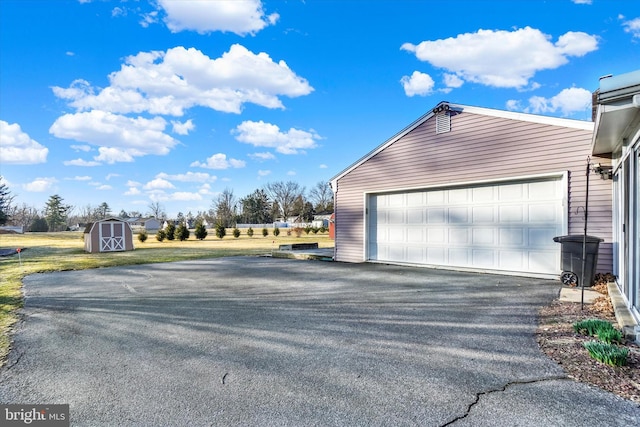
607	353
142	236
314	230
161	235
220	230
307	229
182	233
200	231
265	232
323	229
236	233
591	327
276	231
170	231
610	336
250	232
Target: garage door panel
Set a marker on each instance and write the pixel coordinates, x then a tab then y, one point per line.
512	237
506	226
483	214
436	215
483	258
458	215
483	236
511	213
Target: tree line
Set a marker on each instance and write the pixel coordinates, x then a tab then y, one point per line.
275	201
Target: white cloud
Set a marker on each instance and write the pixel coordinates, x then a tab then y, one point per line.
104	187
582	1
418	84
182	128
632	26
112	175
184	196
81	178
291	173
452	80
81	162
205	189
170	82
158	184
132	191
85	148
264	173
113	155
18	147
502	58
219	161
262	156
323	166
120	138
239	17
69	53
567	102
133	184
188	177
40	185
261	134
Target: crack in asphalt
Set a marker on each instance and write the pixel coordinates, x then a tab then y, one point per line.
497	390
8	367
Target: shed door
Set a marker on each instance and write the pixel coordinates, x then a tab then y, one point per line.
502	227
111	236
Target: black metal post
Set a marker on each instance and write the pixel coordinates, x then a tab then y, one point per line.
584	238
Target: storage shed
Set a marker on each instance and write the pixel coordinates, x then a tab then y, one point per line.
476	189
108	235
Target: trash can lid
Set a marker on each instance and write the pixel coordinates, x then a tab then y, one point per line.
577	238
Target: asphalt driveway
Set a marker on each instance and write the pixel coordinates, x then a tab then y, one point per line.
273	342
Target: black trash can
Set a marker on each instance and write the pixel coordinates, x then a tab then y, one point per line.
572	258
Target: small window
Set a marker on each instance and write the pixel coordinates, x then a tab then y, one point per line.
443	122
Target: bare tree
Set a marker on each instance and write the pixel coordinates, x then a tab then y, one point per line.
225	207
23	215
285	195
156	210
322	197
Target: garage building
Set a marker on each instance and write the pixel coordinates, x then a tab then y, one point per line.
475	189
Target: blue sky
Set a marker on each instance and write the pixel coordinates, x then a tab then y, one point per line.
133	102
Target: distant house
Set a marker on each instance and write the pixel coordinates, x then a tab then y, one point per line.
108	235
617	136
321	221
148	224
476	189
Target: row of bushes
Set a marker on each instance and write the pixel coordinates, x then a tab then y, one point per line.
181	232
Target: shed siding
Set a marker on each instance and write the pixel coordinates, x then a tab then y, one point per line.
478	148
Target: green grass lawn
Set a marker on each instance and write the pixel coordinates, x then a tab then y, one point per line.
47	252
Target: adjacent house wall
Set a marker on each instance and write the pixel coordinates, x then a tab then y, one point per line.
479	147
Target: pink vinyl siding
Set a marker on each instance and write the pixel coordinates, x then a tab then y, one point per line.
479	148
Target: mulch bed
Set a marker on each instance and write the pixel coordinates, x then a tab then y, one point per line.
561	343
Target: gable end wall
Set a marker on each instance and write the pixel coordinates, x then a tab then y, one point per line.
478	148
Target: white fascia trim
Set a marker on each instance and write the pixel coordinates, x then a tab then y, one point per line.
524	117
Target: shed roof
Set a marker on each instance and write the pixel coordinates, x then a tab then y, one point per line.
459	108
89	226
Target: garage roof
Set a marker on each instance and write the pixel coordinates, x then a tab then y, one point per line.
459	108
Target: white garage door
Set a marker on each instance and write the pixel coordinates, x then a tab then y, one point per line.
504	227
